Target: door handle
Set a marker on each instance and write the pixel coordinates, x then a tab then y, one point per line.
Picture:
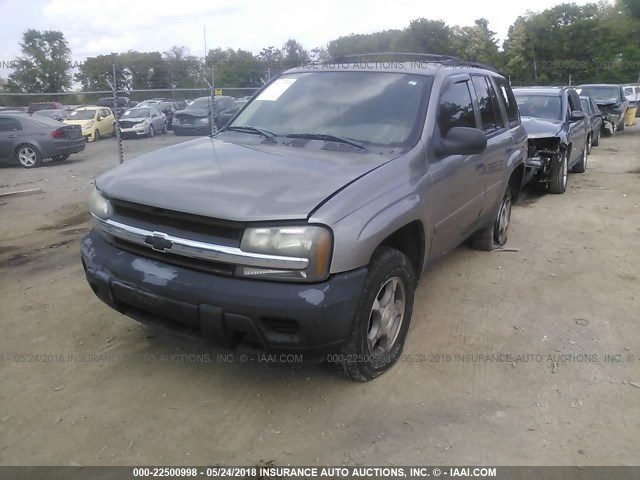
12	136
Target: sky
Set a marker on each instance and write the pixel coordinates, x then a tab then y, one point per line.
120	25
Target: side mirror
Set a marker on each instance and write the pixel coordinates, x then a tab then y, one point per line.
577	115
616	109
462	141
99	117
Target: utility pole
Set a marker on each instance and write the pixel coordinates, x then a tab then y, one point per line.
114	87
212	100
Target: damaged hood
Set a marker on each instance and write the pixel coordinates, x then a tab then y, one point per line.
233	181
540	127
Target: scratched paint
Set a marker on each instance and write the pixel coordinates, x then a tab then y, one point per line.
153	272
314	296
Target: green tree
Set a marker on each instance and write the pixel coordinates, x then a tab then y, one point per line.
476	43
185	70
428	36
45	63
95	73
294	54
234	68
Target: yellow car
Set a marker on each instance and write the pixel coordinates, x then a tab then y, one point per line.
95	122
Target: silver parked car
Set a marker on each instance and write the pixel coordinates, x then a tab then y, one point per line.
142	122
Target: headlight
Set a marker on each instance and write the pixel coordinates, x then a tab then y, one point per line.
203	120
311	242
99	206
87	125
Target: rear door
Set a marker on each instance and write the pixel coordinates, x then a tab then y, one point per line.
499	141
458	187
10	129
106	124
578	129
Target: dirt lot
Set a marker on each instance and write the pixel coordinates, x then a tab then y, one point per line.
571	291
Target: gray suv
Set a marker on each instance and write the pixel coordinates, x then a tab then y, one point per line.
305	224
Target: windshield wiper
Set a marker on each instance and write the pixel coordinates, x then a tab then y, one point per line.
328	138
248	129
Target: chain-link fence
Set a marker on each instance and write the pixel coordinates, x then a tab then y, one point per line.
77	136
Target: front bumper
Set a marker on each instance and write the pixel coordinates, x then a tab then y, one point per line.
67	147
134	131
191	129
227	311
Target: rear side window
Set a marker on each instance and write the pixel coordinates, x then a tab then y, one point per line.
488	110
509	100
9	124
456	108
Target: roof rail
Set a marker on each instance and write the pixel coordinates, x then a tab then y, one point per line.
448	60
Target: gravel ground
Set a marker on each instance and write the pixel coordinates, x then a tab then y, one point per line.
83	385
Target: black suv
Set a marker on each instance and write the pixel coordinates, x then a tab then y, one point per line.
123	104
559	134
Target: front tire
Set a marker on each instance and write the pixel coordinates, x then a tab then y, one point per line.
495	235
96	135
28	156
596	140
382	319
620	127
559	183
151	132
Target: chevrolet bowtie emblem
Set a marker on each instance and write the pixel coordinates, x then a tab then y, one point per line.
158	241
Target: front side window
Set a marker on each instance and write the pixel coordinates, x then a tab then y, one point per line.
456	108
379	108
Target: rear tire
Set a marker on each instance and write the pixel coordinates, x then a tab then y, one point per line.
28	156
589	143
495	235
382	319
581	166
559	184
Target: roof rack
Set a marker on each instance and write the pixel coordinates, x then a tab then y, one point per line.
447	60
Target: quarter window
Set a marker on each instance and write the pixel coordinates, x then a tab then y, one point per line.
456	108
504	91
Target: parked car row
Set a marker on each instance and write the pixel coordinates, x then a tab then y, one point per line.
330	195
563	124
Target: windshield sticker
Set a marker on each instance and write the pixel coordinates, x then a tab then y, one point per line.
412	82
277	88
126	113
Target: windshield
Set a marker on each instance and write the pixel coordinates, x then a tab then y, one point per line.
48	113
600	93
82	115
199	103
540	106
137	113
371	107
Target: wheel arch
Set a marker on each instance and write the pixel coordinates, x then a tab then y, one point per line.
410	240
